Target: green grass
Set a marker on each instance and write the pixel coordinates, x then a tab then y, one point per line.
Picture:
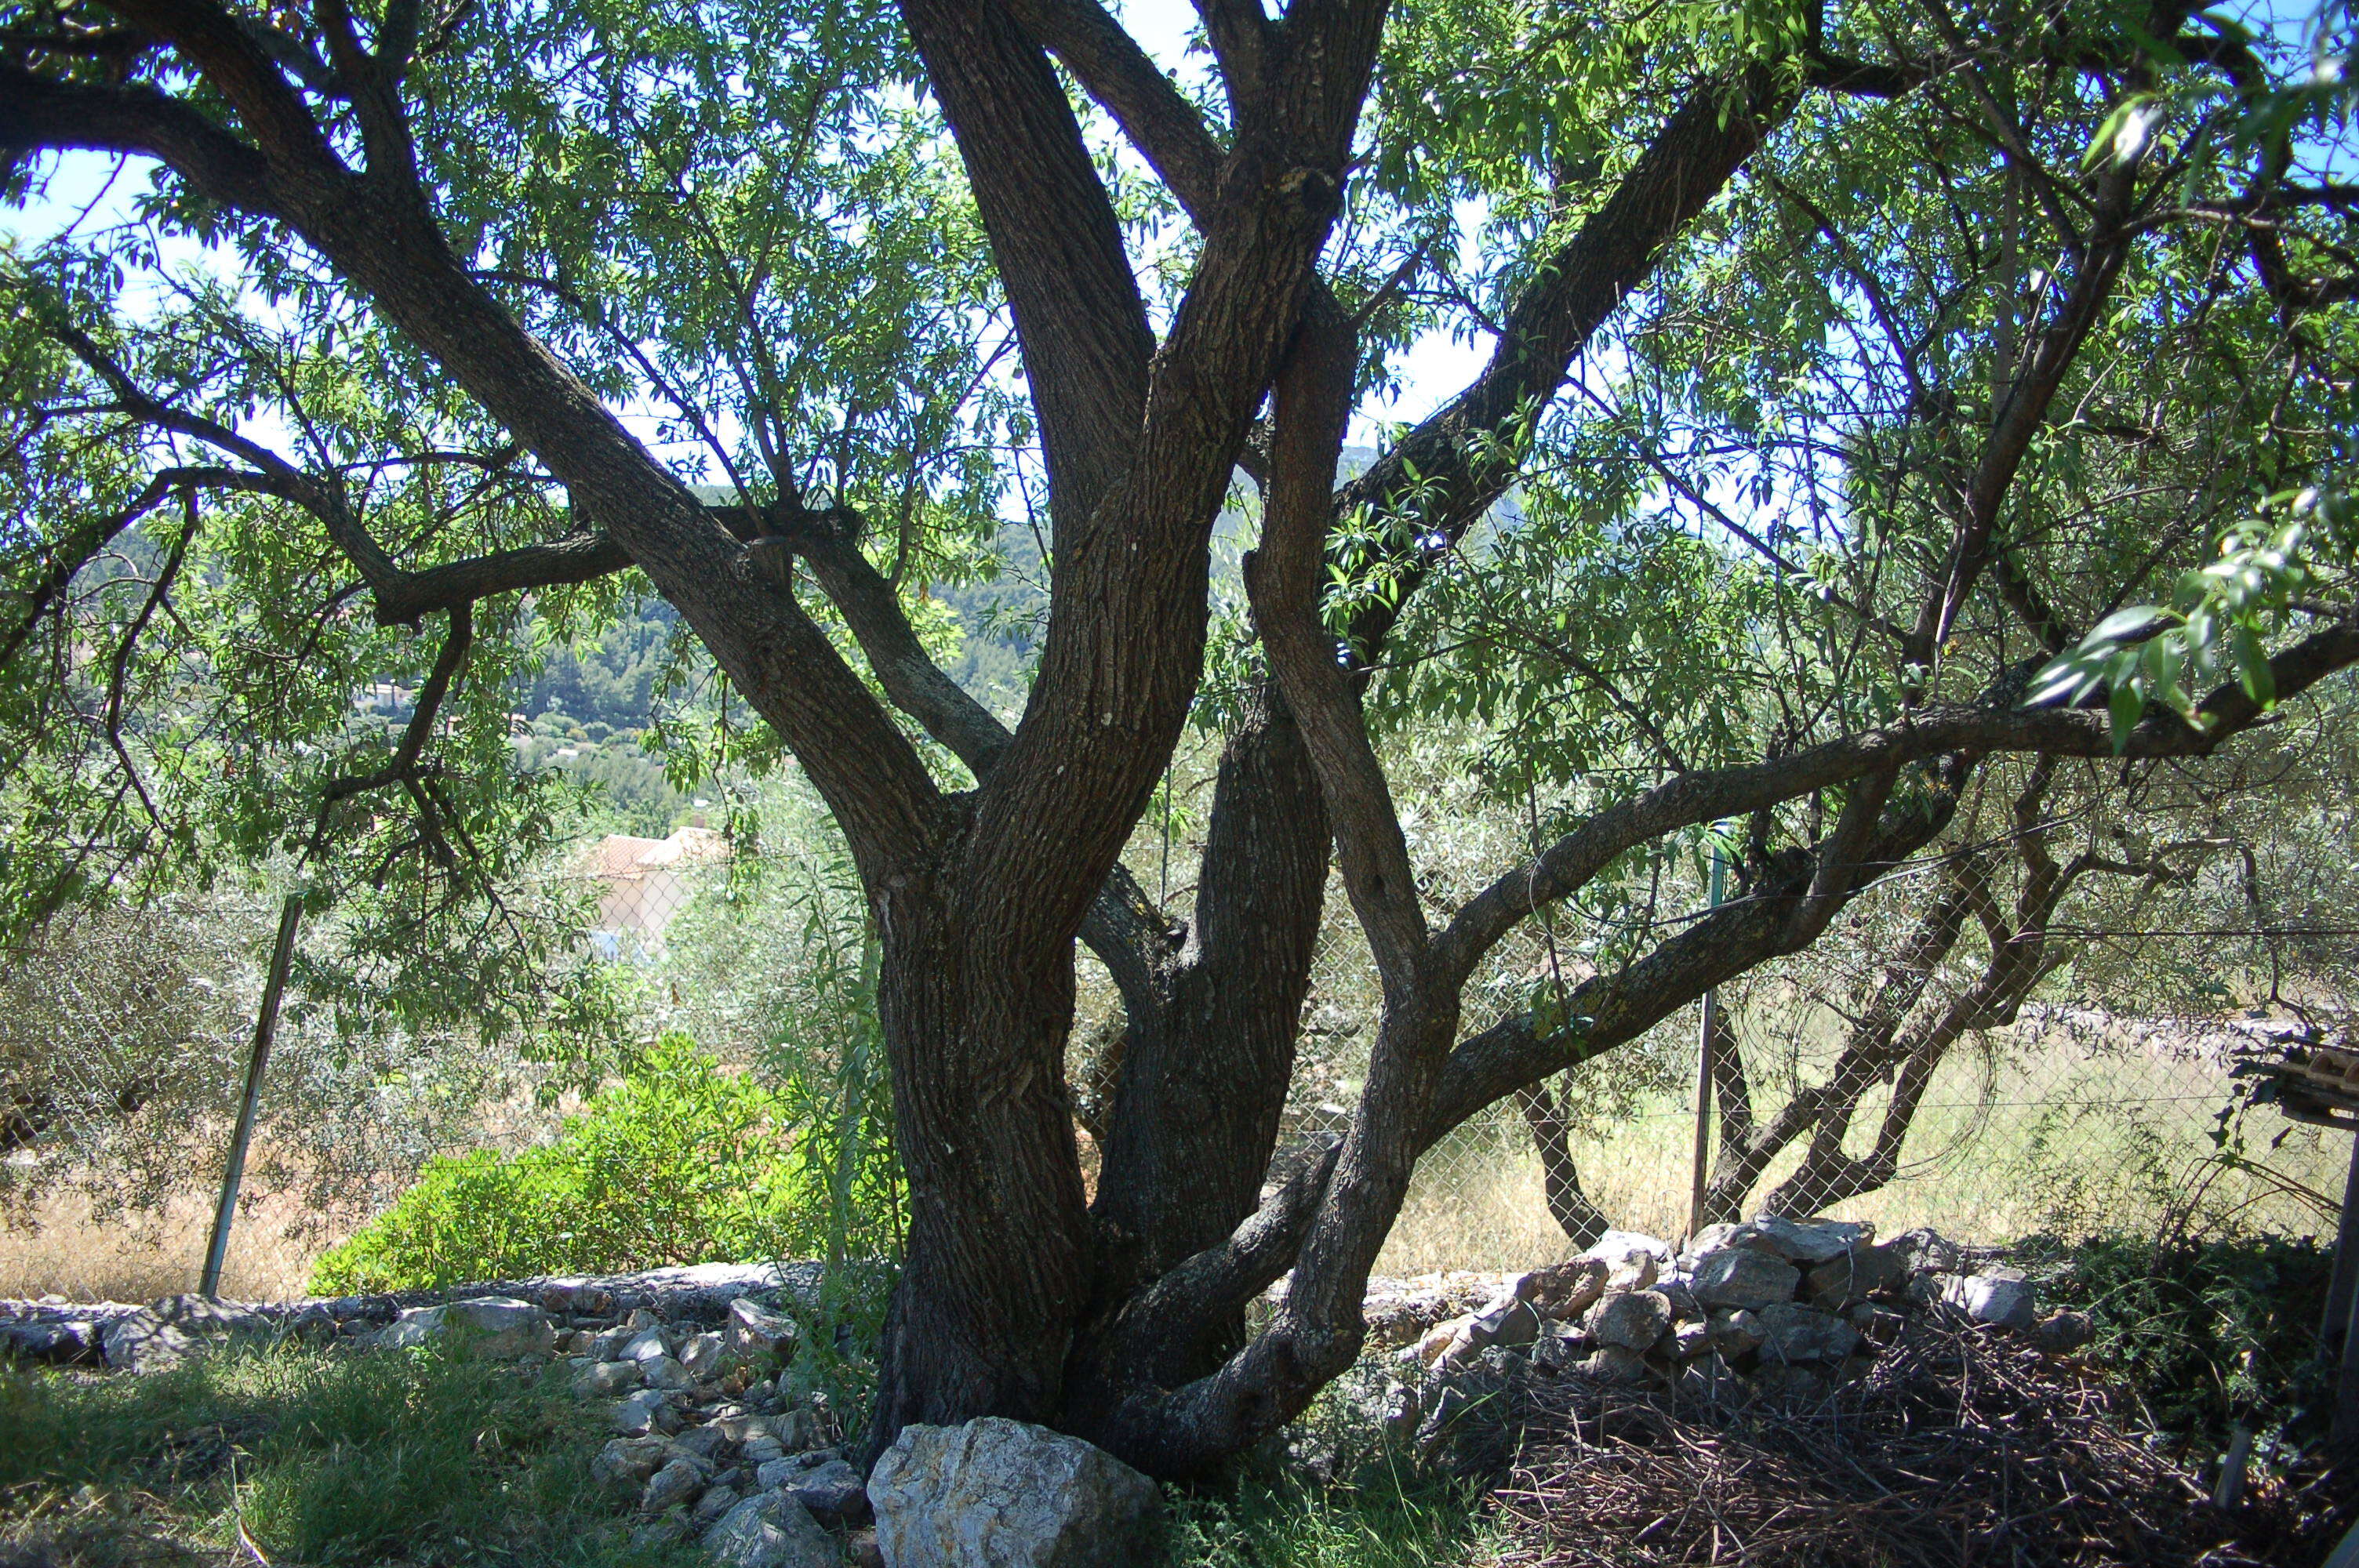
1385	1520
428	1460
336	1458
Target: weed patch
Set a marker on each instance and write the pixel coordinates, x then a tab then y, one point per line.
2205	1333
1385	1519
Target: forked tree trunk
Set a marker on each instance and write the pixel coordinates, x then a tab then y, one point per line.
1010	1293
1207	1059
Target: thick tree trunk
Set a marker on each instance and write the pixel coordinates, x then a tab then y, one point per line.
1010	1293
996	1273
1206	1068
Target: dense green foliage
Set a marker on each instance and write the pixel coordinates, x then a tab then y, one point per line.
676	1162
2208	1334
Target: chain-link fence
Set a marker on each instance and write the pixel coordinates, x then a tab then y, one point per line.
642	885
1828	1098
2065	1118
2070	1122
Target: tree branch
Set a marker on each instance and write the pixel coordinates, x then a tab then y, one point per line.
1569	863
1124	81
408	597
39	114
1284	577
400	596
1466	456
1056	243
402	767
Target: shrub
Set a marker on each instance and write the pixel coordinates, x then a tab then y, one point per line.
2208	1332
677	1162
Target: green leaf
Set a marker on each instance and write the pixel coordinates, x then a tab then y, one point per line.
2259	681
2124	709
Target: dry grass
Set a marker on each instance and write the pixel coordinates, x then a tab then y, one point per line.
137	1258
2056	1141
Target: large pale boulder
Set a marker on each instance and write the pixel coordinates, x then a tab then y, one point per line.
489	1328
680	1481
1733	1334
1505	1321
606	1379
72	1341
145	1343
699	1355
626	1463
1633	1259
755	1333
1005	1494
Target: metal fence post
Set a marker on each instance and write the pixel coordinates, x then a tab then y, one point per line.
265	1024
1703	1076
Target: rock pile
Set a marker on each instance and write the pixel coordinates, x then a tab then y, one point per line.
146	1338
708	1445
1772	1305
683	1365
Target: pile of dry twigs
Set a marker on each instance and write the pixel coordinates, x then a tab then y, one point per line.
1963	1446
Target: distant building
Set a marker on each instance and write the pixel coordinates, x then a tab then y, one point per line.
383	697
643	884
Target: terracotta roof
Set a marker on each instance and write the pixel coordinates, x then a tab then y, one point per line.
619	855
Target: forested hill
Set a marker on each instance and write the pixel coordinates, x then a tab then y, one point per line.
592	700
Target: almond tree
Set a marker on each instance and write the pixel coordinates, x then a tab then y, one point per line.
490	234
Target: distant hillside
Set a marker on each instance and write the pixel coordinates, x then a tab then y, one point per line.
591	701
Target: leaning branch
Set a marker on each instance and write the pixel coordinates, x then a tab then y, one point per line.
39	114
84	549
1570	862
1124	81
409	597
1466	456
